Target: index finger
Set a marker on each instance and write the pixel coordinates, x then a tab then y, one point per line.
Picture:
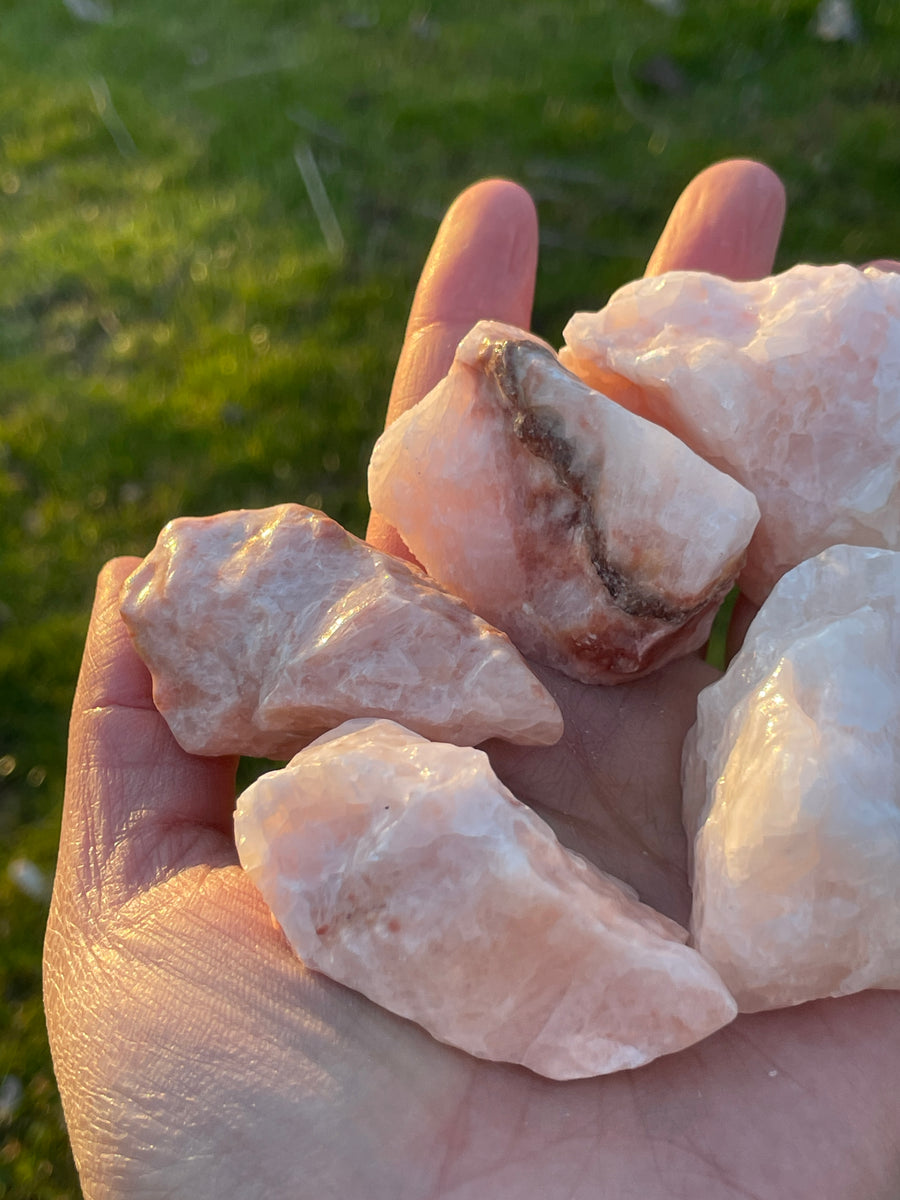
482	266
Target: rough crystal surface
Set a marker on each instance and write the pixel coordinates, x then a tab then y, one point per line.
407	871
600	543
264	628
791	790
791	384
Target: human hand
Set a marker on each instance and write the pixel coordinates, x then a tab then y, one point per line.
195	1053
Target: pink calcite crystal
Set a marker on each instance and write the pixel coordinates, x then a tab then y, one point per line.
407	871
264	628
791	791
791	384
600	543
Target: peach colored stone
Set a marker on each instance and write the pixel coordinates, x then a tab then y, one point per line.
791	384
264	628
407	871
791	793
595	539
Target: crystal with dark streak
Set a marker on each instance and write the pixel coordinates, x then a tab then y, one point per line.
600	543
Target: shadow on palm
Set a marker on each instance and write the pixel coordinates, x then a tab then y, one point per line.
611	788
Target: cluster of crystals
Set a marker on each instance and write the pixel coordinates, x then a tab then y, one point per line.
396	864
792	385
598	521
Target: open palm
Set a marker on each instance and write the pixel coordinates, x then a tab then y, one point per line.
196	1055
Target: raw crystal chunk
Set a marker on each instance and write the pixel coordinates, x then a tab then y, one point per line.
791	384
264	628
791	790
407	871
596	540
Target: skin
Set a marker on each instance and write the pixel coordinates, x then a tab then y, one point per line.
197	1056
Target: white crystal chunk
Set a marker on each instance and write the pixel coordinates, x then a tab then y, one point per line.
264	628
600	543
791	790
407	871
791	384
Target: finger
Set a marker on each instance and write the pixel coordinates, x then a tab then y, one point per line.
137	807
482	266
885	264
727	221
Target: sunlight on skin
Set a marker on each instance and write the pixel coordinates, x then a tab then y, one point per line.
481	267
197	1056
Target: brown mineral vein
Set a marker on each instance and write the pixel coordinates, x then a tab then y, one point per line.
506	361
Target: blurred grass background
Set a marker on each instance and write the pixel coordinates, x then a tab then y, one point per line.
180	332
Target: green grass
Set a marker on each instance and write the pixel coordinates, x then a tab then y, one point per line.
177	337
